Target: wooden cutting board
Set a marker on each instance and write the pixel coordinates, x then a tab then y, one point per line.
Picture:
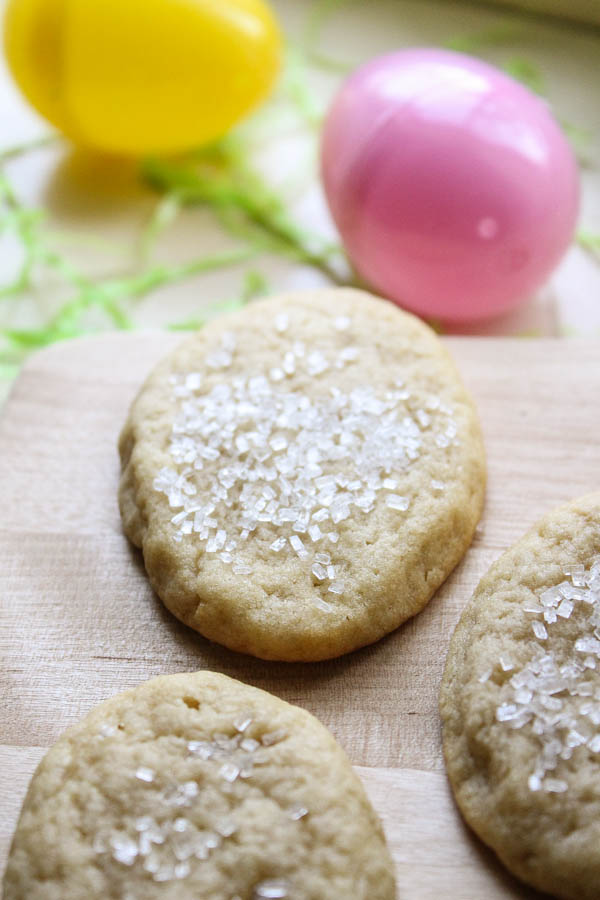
79	623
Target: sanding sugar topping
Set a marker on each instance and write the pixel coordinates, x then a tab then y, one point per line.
171	826
557	693
258	460
274	888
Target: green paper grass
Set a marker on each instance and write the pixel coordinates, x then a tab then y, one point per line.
590	242
245	206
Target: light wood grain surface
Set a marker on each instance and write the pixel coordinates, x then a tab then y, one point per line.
79	623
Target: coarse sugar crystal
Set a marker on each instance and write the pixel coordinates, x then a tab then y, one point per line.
546	690
276	460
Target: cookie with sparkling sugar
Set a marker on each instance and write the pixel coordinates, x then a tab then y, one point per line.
520	705
302	475
196	785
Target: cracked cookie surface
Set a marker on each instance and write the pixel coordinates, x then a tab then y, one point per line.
196	785
302	476
520	705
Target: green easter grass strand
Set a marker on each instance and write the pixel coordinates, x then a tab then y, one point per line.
220	178
24	224
484	39
527	73
107	296
164	214
17	150
590	242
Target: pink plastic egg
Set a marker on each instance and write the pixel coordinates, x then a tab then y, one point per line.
452	186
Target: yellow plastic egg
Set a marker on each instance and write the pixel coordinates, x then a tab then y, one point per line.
142	76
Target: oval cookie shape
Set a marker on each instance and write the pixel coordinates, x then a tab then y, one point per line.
196	785
303	475
520	705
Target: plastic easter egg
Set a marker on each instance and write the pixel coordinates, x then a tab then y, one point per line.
142	76
453	188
